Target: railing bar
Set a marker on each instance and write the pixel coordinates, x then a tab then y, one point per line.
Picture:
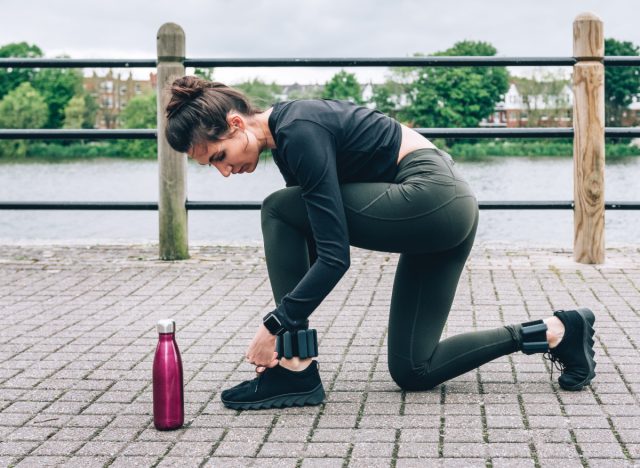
57	134
17	62
151	134
248	205
453	61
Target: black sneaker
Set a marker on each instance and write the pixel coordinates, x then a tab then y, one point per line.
277	387
575	351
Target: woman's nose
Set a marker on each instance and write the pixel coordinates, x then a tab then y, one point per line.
224	170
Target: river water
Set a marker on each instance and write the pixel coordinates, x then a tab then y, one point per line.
493	179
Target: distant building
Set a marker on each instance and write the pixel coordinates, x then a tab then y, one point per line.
113	92
516	110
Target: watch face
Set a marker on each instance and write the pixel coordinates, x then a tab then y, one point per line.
273	324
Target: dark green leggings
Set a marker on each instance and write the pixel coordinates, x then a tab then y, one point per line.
429	215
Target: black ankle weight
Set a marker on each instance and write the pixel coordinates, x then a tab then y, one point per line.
534	337
302	344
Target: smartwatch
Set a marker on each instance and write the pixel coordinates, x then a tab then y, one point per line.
273	324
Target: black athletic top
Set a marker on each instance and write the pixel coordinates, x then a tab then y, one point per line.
319	145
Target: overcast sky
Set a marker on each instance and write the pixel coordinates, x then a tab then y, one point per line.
307	28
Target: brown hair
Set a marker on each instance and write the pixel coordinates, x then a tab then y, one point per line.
197	111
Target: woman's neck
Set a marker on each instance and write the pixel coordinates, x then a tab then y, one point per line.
262	130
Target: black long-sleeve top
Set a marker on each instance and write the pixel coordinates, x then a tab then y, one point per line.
321	144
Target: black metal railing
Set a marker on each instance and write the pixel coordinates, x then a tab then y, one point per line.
465	61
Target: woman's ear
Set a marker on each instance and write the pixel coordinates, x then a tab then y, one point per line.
235	121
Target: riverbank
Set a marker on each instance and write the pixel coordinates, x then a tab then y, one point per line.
146	150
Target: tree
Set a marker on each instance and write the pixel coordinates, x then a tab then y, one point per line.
620	83
74	112
344	86
12	77
57	86
261	94
455	96
23	107
140	113
386	97
204	73
543	98
307	92
90	110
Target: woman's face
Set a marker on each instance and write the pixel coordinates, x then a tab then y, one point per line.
234	155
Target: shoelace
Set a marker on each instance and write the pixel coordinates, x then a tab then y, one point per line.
555	362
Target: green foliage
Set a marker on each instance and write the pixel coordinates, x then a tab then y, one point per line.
261	94
530	148
204	73
90	110
620	83
343	86
141	112
12	77
455	96
384	95
75	150
22	107
57	86
548	91
308	93
74	112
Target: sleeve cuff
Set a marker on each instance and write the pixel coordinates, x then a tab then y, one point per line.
288	323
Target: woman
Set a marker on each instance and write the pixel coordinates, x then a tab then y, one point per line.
357	177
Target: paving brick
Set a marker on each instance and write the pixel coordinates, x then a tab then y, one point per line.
17	448
36	462
146	448
237	449
417	449
326	449
126	461
31	433
58	447
322	463
180	462
100	448
281	449
512	463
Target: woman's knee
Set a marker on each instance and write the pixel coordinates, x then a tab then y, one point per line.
278	201
409	377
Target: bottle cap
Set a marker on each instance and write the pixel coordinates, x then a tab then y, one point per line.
166	326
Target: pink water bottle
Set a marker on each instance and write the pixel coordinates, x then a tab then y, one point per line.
168	395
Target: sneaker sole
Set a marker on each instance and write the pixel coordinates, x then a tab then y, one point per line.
311	398
587	342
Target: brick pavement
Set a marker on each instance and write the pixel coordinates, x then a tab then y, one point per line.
77	343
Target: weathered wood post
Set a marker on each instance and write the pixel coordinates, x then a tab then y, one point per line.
588	141
172	166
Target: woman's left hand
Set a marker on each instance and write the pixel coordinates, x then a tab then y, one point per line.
261	350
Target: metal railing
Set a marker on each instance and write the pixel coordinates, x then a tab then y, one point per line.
171	57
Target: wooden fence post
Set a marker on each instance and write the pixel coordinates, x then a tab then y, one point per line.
588	141
172	166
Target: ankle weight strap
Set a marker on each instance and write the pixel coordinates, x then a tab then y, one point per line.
534	337
302	344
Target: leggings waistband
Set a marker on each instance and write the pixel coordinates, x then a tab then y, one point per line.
425	153
426	161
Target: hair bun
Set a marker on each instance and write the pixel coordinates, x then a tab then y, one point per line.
184	90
